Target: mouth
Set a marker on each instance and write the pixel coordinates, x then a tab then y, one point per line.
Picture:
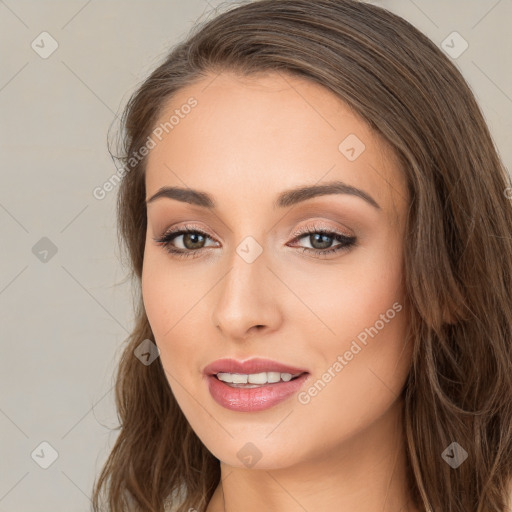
254	392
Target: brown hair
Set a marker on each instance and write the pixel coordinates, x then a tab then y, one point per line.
457	250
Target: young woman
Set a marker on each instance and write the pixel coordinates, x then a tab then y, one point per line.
320	228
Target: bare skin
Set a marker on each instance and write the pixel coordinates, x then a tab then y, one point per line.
247	140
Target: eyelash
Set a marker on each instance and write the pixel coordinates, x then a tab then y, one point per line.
346	241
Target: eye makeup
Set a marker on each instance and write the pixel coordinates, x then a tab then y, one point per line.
315	233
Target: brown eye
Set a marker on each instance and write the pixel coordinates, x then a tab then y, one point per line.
193	241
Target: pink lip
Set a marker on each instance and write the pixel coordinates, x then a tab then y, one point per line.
255	365
253	399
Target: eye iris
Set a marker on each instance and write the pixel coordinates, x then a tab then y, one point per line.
194	237
325	240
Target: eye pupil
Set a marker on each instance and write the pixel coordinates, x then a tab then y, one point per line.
194	236
325	240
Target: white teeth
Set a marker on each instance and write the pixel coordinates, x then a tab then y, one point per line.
255	378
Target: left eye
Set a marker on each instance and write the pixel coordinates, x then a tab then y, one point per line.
325	238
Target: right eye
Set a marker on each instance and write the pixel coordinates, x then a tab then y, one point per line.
191	238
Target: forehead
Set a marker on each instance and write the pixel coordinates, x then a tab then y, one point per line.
264	133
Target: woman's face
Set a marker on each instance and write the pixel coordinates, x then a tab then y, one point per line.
256	283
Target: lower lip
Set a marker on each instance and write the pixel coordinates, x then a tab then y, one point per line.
253	399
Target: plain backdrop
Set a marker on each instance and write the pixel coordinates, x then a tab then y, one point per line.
64	308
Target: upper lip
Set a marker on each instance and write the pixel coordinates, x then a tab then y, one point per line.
255	365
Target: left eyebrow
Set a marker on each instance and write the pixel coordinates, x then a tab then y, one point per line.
299	194
285	199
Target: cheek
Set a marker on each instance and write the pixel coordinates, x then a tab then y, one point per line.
176	312
175	304
168	291
159	298
353	296
365	361
363	374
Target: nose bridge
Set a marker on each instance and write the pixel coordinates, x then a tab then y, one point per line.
245	280
248	256
245	298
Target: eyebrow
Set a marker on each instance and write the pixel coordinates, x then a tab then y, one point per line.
284	200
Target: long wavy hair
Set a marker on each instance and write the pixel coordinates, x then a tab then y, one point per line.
457	250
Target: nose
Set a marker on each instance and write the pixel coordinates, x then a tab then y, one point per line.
246	299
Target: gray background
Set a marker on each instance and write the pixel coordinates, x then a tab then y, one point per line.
64	316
